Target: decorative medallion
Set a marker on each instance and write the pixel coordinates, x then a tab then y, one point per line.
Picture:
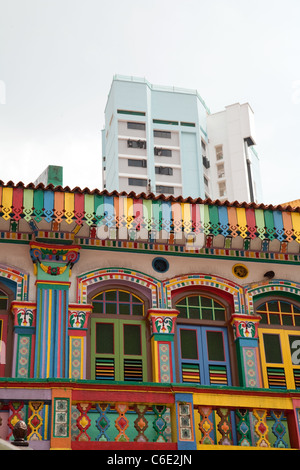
160	265
240	271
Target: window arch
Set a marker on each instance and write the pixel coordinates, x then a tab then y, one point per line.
202	338
201	307
6	331
119	335
118	302
279	341
279	312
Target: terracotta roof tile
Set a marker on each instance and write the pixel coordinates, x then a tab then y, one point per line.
289	207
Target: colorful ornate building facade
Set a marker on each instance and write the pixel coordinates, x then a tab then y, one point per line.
140	322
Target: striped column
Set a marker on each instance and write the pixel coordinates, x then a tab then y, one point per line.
51	352
53	264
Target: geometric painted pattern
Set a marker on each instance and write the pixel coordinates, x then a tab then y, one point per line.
203	280
278	428
189	217
165	362
243	427
160	423
114	275
141	423
61	417
83	421
224	426
185	422
121	422
76	357
250	367
206	425
261	428
35	421
17	412
23	356
102	423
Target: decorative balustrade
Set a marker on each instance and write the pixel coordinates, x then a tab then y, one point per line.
120	422
242	427
91	416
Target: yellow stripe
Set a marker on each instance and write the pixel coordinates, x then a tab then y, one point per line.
242	220
187	217
69	207
154	346
7	196
239	400
296	225
46	416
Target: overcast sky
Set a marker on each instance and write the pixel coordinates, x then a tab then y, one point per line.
58	58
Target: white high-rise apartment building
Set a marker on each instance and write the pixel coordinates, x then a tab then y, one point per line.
165	140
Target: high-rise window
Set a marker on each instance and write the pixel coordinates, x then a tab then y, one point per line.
162	134
137	163
160	152
219	152
220	170
137	182
163	170
164	189
136	125
222	189
141	144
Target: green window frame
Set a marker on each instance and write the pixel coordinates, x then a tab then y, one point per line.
118	350
200	307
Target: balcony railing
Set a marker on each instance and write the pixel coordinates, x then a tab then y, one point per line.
242	427
89	415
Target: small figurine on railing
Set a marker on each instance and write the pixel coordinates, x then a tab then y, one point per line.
20	433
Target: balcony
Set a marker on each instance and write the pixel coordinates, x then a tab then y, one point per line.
87	415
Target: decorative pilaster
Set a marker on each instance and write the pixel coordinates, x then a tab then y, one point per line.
24	338
246	339
61	419
185	421
53	264
162	325
78	319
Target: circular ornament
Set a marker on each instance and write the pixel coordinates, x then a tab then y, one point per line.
240	271
160	265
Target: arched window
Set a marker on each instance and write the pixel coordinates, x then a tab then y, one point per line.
279	312
118	302
279	342
200	307
202	340
118	336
